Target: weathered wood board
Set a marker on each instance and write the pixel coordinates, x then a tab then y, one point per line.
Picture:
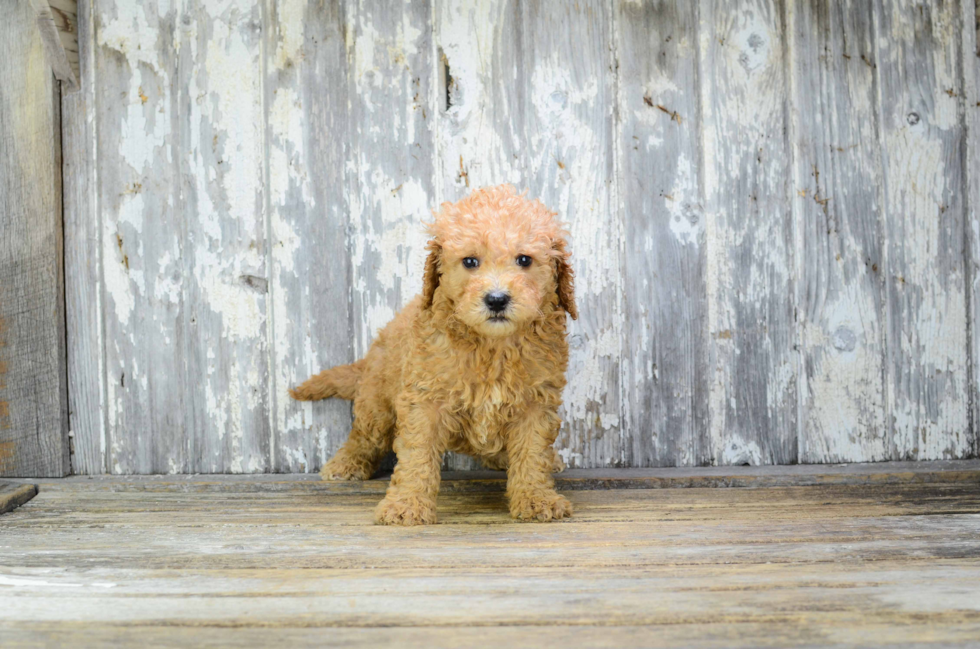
84	288
307	103
151	560
752	368
33	390
665	385
971	100
13	495
775	264
919	62
837	189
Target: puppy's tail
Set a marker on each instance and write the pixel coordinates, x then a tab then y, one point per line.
340	381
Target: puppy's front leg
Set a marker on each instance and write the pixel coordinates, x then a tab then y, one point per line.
530	487
419	444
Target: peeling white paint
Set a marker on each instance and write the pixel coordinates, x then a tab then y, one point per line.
559	147
476	135
683	205
737	451
391	243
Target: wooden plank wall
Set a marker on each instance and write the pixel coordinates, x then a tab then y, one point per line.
33	389
772	208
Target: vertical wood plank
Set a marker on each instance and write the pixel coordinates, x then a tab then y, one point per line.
664	381
970	54
480	110
33	375
748	233
922	141
142	244
391	170
221	158
83	262
836	200
569	78
306	95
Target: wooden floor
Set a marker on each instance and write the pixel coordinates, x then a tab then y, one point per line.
884	555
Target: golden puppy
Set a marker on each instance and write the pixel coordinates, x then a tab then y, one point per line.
476	364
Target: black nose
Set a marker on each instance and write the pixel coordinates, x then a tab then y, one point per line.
496	301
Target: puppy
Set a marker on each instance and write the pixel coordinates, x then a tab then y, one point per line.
475	364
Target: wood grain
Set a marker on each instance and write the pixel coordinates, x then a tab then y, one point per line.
836	564
774	264
65	15
54	48
390	179
921	138
84	290
13	495
836	200
752	362
971	112
221	161
33	390
307	98
665	382
141	235
829	629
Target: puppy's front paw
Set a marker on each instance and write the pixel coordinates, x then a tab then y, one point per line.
405	511
342	467
540	506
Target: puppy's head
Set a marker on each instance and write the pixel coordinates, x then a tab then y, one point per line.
498	261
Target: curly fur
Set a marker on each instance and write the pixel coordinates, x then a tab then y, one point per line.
443	375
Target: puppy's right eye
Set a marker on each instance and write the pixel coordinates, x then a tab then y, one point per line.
471	262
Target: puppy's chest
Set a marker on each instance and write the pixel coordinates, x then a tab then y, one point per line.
489	399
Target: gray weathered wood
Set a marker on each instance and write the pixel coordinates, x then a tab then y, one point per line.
33	390
306	94
65	16
139	200
922	146
665	388
752	362
876	474
83	261
390	170
970	51
14	495
56	55
480	109
770	257
219	113
837	206
569	78
800	566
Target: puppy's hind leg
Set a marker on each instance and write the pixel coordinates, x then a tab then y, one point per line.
369	441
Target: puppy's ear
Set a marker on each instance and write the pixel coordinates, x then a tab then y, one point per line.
431	280
565	278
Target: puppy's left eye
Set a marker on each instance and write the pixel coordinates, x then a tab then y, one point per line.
524	261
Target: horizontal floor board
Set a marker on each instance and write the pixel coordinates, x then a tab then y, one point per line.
945	471
836	562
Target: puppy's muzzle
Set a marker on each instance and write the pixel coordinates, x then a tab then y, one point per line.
497	302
